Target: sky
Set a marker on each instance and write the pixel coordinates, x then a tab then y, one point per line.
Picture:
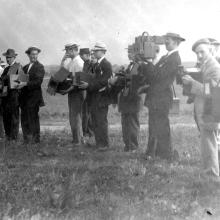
50	24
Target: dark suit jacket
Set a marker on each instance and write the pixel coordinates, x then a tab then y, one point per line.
133	102
12	99
98	87
160	94
31	95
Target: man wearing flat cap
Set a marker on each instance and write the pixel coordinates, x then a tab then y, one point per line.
209	126
98	88
10	103
160	99
31	98
74	64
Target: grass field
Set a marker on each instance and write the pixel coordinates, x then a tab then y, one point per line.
84	184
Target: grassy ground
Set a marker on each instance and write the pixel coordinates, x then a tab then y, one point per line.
84	184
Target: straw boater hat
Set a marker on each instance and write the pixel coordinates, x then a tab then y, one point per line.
99	46
71	46
174	36
28	51
10	53
199	42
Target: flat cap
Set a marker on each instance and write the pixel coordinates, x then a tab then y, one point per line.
99	46
201	41
175	36
71	46
214	42
84	51
28	51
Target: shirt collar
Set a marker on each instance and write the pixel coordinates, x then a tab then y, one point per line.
12	64
172	51
100	60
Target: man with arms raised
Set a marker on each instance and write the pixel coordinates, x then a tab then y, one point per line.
74	64
160	99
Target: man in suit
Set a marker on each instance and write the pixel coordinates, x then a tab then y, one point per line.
74	64
160	98
10	103
98	88
86	115
31	98
130	101
210	69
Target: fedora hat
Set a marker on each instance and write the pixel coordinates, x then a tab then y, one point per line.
175	36
200	41
10	53
71	46
28	51
99	46
84	51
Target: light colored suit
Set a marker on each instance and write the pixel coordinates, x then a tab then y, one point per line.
208	127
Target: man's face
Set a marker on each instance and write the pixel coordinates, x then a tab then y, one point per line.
170	44
130	56
71	52
33	56
10	60
85	57
99	54
93	59
203	52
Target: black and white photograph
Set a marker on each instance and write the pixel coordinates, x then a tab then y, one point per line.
109	110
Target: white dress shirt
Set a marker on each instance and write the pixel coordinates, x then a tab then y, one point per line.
172	51
100	59
1	70
74	65
29	67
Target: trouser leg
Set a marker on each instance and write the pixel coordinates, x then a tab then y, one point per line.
134	129
125	130
209	151
1	124
25	124
86	119
75	101
7	123
163	136
34	123
15	123
152	140
100	124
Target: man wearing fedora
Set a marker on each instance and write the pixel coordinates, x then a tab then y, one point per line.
160	98
86	114
10	103
98	88
31	98
208	125
74	64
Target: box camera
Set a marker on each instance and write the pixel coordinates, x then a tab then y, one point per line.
147	45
